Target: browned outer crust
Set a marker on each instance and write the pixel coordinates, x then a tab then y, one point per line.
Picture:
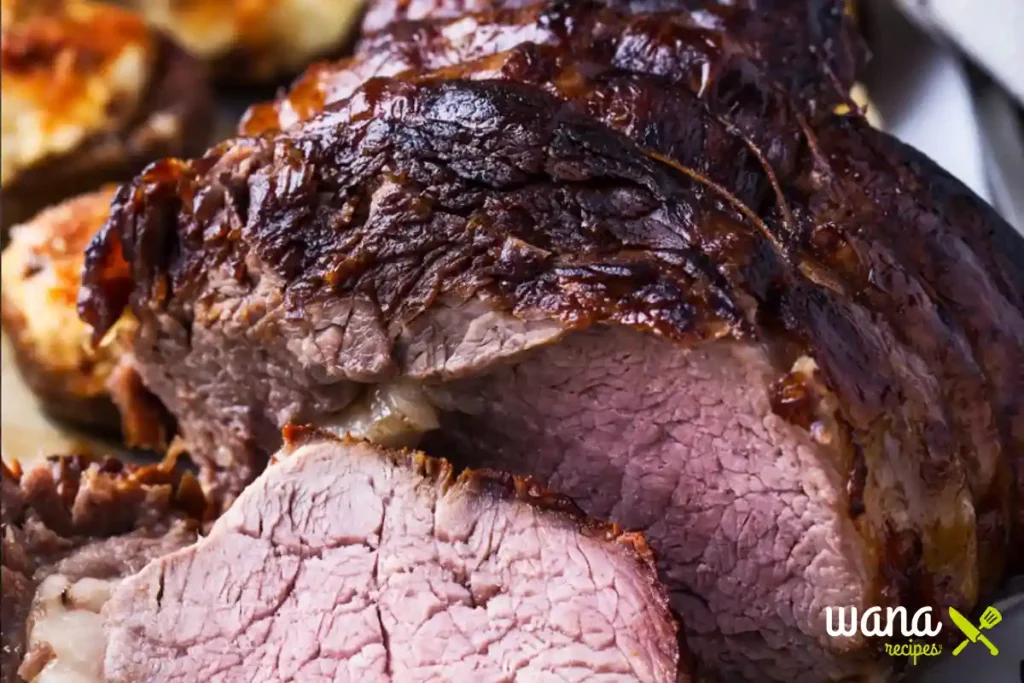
121	496
903	287
50	509
178	88
785	31
644	42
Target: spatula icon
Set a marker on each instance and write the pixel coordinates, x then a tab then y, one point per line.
989	618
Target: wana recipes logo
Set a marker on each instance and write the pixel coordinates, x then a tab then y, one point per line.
895	622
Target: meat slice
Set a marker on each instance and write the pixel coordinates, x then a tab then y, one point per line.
346	562
72	528
592	311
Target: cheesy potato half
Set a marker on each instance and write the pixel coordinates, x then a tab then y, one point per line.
70	70
40	273
256	40
90	94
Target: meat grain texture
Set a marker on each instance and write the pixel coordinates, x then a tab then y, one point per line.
345	562
71	529
634	255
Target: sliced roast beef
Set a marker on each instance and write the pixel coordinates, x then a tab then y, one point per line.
579	309
72	528
347	562
629	261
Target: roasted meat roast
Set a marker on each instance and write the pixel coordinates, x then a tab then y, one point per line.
646	252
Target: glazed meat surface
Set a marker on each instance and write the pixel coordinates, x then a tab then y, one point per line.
686	47
783	345
791	35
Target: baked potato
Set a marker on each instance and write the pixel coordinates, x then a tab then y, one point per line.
93	387
256	41
90	94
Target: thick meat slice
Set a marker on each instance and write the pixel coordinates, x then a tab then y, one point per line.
345	562
72	528
73	380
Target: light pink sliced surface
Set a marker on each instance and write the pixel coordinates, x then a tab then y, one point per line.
344	562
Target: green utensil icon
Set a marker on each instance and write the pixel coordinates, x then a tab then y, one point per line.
989	618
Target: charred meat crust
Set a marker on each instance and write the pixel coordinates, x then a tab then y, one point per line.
791	35
87	496
714	62
49	511
579	283
174	118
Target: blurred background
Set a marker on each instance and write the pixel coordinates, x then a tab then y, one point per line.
946	77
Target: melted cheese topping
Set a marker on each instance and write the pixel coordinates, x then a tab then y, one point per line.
70	69
271	36
66	621
41	274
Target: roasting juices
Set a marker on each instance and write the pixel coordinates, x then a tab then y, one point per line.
892	622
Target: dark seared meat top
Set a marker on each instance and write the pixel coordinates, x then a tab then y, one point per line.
816	37
698	50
